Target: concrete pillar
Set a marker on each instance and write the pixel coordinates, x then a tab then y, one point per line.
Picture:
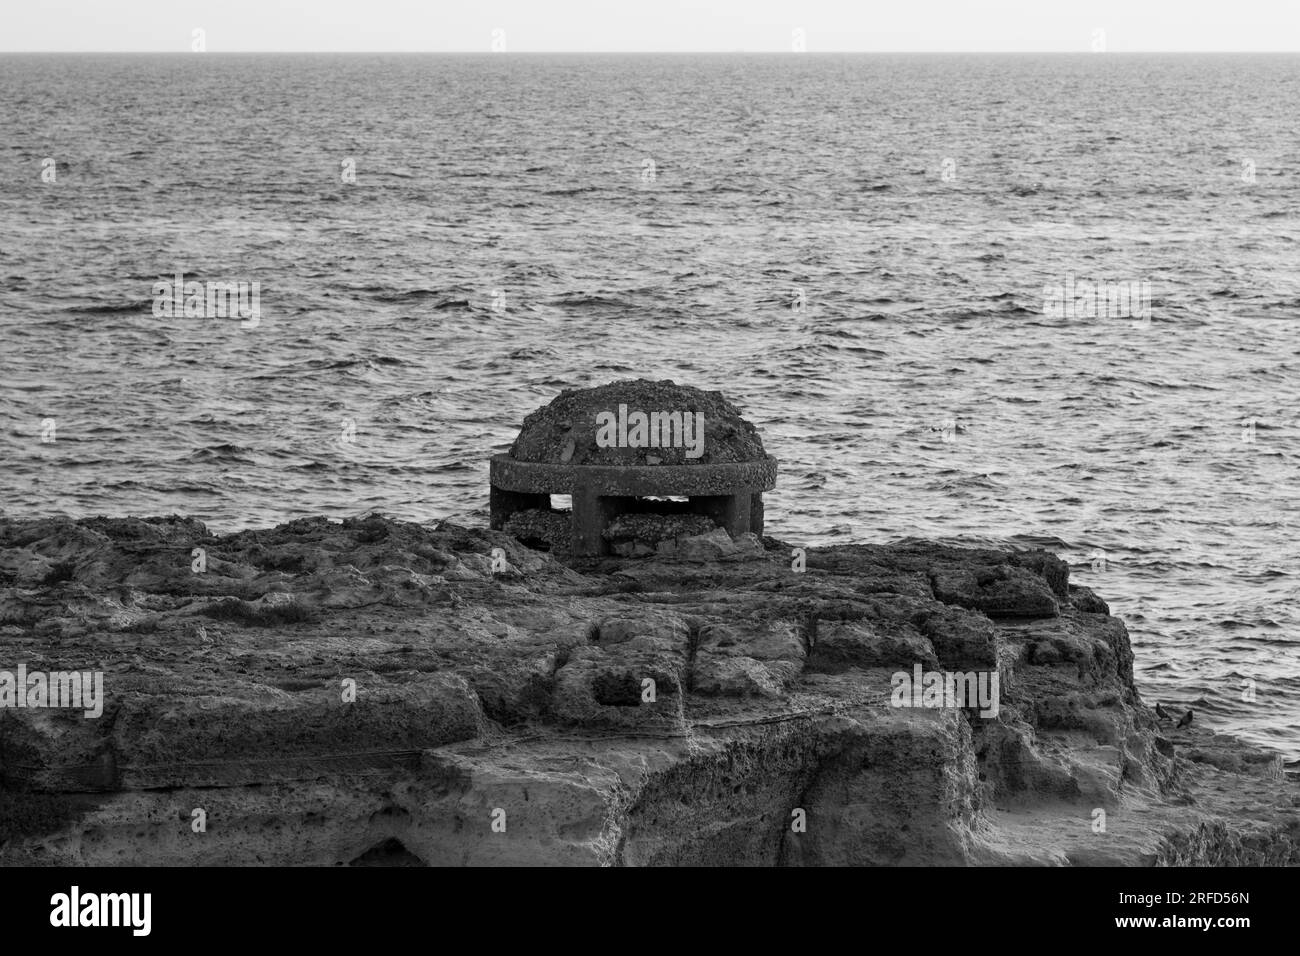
592	513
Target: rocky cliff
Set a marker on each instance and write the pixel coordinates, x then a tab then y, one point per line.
377	692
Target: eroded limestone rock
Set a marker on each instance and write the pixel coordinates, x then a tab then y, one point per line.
374	692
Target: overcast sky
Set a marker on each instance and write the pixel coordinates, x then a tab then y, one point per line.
657	25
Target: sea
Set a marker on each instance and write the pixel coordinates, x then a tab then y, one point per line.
998	300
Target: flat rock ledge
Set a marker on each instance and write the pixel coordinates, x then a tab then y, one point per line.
707	705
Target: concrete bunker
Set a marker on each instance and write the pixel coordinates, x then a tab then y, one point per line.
631	453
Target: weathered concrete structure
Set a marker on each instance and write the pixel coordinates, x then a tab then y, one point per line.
564	449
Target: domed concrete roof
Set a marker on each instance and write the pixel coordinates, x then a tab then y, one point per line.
621	423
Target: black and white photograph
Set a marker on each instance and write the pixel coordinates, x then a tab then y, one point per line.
717	434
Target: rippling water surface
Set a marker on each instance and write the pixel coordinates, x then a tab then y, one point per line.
523	224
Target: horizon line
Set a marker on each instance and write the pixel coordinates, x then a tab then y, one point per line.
783	53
